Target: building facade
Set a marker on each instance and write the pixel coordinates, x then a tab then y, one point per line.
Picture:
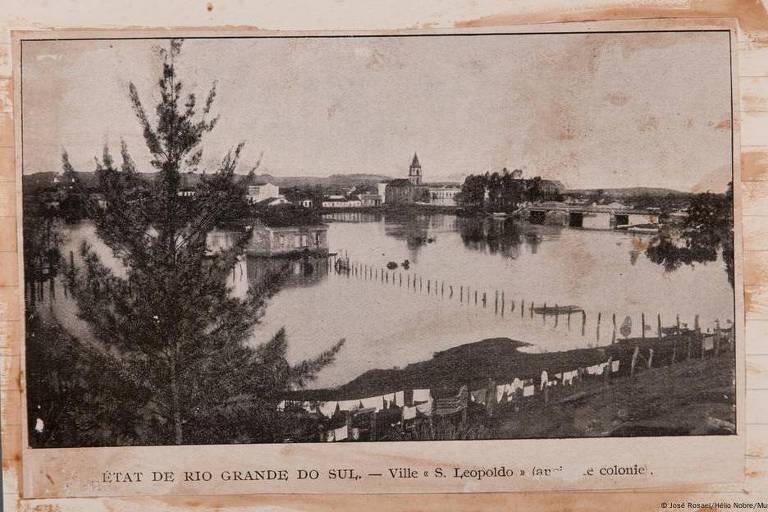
400	191
260	191
443	195
370	199
382	190
272	241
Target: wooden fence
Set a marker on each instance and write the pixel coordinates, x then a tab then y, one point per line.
597	327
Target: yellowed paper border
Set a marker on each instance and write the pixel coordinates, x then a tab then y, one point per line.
753	125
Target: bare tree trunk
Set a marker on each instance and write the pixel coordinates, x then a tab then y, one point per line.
176	401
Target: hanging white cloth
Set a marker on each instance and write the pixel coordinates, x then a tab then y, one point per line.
341	433
421	395
375	402
409	413
349	405
328	409
425	408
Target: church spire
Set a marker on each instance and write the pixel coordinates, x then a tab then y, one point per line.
414	173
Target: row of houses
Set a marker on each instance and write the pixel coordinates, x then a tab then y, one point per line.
408	190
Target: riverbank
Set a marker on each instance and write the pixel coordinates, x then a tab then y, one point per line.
681	384
501	360
694	397
401	209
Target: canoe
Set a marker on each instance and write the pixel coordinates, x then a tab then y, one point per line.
644	228
557	310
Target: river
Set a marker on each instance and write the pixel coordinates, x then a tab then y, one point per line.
389	324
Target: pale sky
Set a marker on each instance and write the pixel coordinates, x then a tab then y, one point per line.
591	110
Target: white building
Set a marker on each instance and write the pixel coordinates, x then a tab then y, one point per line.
261	191
443	195
275	201
382	189
335	202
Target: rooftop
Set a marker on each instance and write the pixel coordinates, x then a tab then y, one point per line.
287	215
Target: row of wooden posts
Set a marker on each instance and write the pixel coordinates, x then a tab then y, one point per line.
474	296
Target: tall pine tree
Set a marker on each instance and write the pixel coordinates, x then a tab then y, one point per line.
170	323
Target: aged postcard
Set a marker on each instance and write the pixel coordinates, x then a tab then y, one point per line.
434	261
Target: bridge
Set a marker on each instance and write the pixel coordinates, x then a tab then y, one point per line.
592	216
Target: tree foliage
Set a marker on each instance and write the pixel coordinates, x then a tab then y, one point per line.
705	233
501	191
167	327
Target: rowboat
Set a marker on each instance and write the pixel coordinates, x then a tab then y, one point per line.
557	310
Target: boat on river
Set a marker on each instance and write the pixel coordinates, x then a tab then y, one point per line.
557	310
649	229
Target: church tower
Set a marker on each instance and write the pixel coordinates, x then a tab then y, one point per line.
414	173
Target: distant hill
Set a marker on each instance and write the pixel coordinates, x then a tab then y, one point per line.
36	181
32	182
627	192
334	180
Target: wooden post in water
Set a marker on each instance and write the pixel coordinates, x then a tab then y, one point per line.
512	306
373	427
544	314
650	358
557	315
522	308
442	288
496	303
400	274
642	319
597	333
420	284
461	293
450	291
530	308
409	280
613	336
429	281
583	322
658	325
717	330
475	297
677	319
569	319
634	361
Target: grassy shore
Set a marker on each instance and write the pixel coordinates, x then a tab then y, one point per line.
680	393
694	397
499	359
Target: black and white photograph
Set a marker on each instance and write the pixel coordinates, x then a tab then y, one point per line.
359	238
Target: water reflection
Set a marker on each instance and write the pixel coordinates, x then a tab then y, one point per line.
293	272
503	236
